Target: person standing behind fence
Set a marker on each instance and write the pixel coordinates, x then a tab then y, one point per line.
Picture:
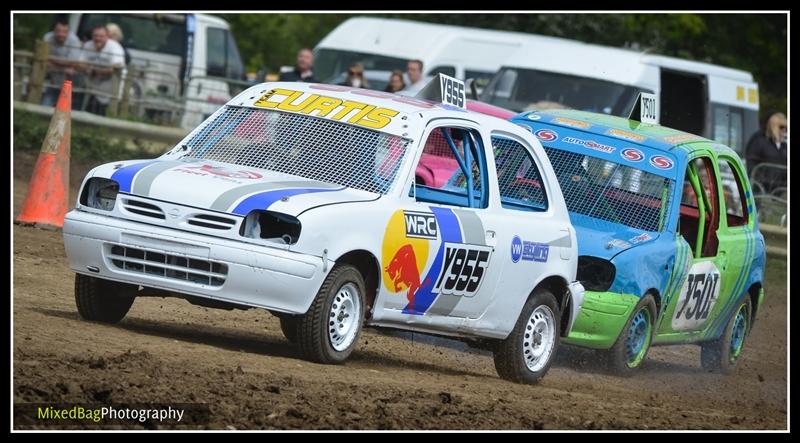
769	146
303	69
355	77
396	82
101	55
115	33
63	45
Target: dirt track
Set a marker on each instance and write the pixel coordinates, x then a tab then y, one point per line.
238	362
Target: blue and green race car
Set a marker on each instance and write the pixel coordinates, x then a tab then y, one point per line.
668	238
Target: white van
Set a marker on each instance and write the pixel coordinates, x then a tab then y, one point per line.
188	64
713	101
388	44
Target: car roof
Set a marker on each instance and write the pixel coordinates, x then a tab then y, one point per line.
655	137
411	110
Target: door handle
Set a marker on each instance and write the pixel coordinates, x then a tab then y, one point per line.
491	237
723	260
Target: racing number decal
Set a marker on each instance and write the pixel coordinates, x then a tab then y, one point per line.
463	270
697	297
452	91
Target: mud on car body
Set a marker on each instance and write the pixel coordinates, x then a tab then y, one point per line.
670	250
301	199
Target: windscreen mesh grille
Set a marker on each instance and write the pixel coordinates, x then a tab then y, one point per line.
611	191
303	146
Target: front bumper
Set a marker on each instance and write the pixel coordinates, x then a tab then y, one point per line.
601	319
216	268
578	295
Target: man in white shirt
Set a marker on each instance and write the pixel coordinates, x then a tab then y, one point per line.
101	55
64	47
414	74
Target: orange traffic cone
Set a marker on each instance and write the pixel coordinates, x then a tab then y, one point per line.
48	193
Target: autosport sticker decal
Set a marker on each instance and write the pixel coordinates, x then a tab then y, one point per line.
661	162
571	122
546	135
457	267
626	135
353	112
591	144
632	155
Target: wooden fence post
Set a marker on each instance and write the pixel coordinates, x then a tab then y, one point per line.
38	71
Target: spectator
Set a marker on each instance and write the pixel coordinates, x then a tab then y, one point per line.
64	45
769	146
414	74
396	82
101	55
115	33
302	69
355	77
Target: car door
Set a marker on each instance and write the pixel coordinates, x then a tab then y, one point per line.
737	242
707	284
438	256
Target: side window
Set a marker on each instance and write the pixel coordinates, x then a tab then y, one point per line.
699	211
446	70
452	169
521	185
735	205
215	52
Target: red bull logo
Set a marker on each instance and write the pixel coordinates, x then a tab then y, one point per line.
404	273
405	254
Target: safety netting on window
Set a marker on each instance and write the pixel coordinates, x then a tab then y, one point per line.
301	145
610	191
518	177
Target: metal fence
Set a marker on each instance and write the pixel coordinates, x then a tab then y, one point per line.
770	191
147	89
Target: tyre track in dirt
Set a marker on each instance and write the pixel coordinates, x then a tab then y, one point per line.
237	362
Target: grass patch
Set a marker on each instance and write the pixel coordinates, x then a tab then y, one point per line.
86	144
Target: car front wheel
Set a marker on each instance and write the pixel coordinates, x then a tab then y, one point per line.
634	341
329	331
103	300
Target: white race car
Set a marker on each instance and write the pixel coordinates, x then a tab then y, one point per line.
302	199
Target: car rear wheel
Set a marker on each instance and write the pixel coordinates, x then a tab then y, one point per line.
721	355
102	300
526	354
329	331
634	341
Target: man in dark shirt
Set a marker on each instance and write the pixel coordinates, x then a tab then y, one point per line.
302	69
769	146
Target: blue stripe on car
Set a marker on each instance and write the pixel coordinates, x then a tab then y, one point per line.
264	200
125	175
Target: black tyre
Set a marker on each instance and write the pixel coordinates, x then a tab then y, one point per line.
721	355
329	331
633	343
102	300
289	327
526	354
